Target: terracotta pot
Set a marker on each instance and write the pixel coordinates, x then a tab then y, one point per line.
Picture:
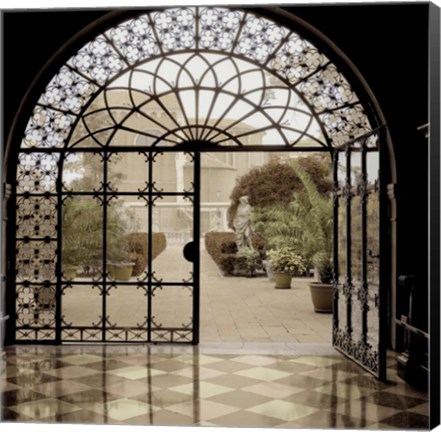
283	280
321	295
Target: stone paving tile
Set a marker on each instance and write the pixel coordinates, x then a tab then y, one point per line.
252	310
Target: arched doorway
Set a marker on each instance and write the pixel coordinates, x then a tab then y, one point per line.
188	80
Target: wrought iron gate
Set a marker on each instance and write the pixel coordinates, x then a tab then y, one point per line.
106	223
159	303
359	295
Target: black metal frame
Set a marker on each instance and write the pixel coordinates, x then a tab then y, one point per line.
148	282
367	294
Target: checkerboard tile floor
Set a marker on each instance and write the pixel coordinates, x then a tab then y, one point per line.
166	386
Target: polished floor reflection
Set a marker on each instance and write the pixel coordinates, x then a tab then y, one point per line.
184	386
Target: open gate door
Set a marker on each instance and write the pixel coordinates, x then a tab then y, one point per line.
360	302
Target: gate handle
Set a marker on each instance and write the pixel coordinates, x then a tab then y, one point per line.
189	251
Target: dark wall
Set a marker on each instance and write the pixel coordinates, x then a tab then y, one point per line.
388	43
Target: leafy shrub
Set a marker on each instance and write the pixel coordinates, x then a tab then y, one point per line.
285	260
138	248
275	182
222	248
271	183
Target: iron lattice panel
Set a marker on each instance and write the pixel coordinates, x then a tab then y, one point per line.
357	315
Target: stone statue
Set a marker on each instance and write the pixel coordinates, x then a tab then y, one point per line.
242	224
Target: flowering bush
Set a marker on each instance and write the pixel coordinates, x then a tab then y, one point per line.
286	260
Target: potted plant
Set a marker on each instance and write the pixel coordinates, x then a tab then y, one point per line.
280	228
119	264
314	217
285	263
322	289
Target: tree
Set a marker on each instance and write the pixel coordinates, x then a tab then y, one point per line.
304	225
275	182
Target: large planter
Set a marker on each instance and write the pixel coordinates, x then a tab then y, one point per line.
283	280
321	295
120	272
70	272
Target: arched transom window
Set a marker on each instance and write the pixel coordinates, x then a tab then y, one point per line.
196	74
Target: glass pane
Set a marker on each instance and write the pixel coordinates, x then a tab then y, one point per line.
356	237
372	167
125	326
373	263
82	307
342	240
342	263
172	230
124	217
373	320
342	309
82	237
83	172
128	172
356	266
172	309
355	169
341	171
173	172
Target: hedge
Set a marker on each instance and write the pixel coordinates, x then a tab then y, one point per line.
222	248
139	251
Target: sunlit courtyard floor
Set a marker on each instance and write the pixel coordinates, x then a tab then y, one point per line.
248	310
234	310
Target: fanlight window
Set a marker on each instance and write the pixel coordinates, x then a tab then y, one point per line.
219	75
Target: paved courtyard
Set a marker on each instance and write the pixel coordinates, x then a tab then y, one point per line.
240	309
234	310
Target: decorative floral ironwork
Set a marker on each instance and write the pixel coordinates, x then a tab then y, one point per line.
345	124
134	39
35	306
218	28
176	28
36	260
300	66
36	216
259	38
98	60
37	172
297	59
67	91
47	128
